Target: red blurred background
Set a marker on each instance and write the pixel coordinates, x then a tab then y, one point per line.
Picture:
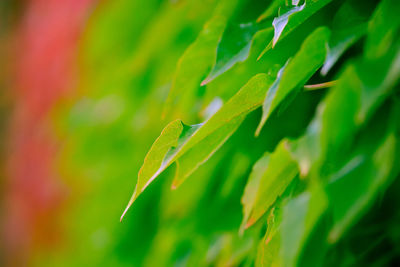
39	44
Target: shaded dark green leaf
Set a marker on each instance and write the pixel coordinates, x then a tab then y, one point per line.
296	73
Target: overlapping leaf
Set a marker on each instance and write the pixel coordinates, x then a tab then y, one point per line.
269	246
325	152
291	19
197	61
296	73
192	145
348	26
234	47
342	172
300	216
272	9
382	29
268	180
368	172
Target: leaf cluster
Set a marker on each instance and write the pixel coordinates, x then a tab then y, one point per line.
317	185
282	131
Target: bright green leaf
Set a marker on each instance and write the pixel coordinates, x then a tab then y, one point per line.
196	62
270	177
199	141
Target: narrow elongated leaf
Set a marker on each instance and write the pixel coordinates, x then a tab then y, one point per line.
269	179
195	144
293	76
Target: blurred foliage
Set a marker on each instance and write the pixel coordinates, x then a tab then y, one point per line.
319	184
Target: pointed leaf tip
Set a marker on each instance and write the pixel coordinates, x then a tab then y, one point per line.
126	209
280	22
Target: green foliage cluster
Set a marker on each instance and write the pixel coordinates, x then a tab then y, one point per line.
283	133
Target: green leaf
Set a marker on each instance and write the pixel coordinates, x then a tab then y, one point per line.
296	72
339	43
249	197
196	62
295	16
203	150
268	180
355	98
238	39
225	85
367	172
271	10
270	244
348	26
154	161
300	216
234	47
382	29
193	145
348	105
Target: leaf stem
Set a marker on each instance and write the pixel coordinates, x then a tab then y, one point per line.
320	85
